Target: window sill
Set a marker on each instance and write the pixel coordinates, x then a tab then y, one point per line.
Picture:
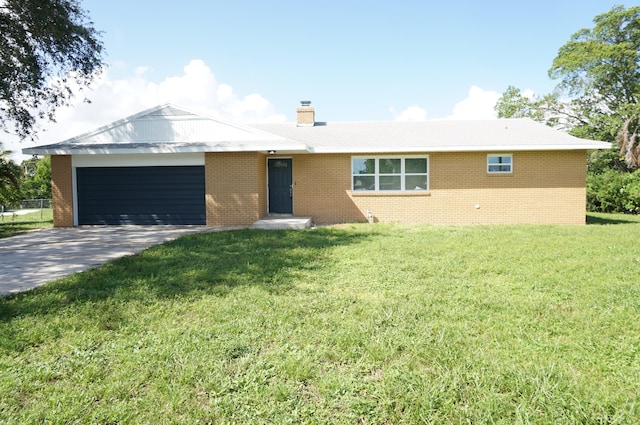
358	193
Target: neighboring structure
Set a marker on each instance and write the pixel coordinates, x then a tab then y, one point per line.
167	165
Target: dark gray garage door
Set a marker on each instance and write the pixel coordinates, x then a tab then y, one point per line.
141	195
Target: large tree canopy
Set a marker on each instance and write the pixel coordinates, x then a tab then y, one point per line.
48	47
602	65
599	85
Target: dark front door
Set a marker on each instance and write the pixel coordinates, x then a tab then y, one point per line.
280	186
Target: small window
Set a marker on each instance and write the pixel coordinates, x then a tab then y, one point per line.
500	164
390	173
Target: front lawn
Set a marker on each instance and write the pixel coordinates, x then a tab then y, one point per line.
14	224
353	324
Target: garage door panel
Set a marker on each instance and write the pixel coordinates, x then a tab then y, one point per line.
145	219
141	195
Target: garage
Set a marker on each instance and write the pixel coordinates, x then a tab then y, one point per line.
141	195
149	168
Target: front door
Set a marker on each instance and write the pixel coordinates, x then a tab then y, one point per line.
280	186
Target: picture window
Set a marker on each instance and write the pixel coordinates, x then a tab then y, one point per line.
387	173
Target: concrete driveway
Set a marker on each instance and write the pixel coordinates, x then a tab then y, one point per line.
35	258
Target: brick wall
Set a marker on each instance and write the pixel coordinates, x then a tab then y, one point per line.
62	190
321	188
235	188
262	184
545	187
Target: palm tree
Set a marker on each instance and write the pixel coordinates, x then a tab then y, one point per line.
628	139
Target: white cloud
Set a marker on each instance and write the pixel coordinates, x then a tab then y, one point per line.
112	99
412	113
477	106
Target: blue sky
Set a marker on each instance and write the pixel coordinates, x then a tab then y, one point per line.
254	61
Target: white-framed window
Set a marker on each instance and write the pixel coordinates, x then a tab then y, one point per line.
390	173
500	163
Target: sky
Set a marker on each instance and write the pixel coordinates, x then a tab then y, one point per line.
254	60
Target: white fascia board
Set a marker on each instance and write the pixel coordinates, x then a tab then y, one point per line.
162	150
498	148
40	151
294	148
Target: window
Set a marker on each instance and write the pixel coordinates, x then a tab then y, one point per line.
500	164
390	173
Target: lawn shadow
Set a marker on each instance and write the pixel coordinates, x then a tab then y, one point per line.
604	219
18	227
191	266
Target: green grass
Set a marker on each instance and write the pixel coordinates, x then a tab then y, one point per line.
12	225
355	324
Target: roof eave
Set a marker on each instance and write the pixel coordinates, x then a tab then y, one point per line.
101	150
488	148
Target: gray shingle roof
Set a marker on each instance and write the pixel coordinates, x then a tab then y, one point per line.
168	129
171	129
432	136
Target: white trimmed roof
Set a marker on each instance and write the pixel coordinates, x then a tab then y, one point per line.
171	129
168	129
432	136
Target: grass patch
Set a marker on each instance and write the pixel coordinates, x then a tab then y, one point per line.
350	324
11	225
606	218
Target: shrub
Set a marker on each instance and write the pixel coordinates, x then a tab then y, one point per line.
614	191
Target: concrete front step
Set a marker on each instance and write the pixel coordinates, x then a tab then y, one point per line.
282	222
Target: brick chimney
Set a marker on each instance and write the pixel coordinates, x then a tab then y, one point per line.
305	114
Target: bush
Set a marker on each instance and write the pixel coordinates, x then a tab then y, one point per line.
601	160
614	191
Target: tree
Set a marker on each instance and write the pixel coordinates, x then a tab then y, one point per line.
599	84
49	48
36	178
628	141
514	104
9	178
601	67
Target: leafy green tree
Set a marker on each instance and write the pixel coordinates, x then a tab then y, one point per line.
600	67
599	85
36	178
9	179
49	48
514	104
547	109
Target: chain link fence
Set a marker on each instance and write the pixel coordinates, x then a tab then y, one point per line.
26	206
34	204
